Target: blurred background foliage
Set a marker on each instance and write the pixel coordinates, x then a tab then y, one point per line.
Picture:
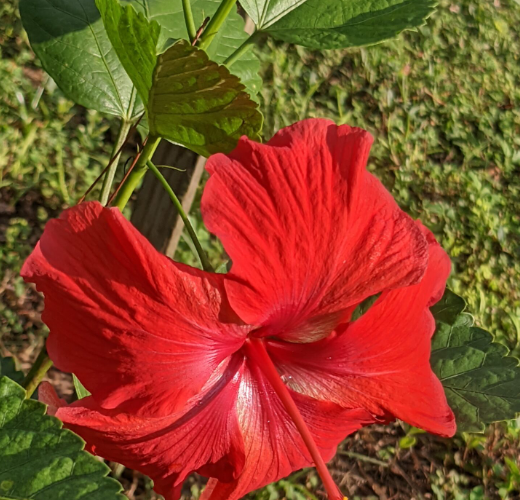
443	105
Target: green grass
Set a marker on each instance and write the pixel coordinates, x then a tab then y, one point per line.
443	105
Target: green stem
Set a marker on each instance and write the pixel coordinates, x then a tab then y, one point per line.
108	180
240	51
137	173
188	19
37	372
216	23
178	205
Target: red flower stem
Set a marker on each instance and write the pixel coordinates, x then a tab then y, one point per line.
256	351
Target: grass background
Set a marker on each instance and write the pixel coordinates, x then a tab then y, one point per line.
443	104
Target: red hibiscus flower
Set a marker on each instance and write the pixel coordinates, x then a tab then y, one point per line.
248	376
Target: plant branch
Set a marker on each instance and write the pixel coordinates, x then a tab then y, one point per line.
216	23
245	47
188	19
82	199
37	372
135	174
124	129
178	205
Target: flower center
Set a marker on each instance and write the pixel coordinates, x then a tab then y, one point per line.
256	351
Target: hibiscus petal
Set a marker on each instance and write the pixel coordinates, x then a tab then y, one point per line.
308	230
381	361
273	446
204	437
141	332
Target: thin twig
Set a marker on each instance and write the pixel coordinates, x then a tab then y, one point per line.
116	155
363	458
199	32
114	194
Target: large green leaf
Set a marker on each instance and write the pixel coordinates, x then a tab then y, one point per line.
39	460
481	381
198	103
169	14
69	38
331	24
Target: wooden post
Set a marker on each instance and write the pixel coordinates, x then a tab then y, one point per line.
153	213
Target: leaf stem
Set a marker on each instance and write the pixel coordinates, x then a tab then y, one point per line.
134	177
240	51
124	129
37	372
178	205
188	19
256	351
216	23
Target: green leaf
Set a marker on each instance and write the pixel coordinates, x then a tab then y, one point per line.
69	38
134	39
266	12
39	460
332	24
407	442
81	392
198	103
481	381
189	99
8	368
169	15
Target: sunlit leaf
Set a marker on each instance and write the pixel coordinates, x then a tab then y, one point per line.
134	39
481	381
190	100
169	15
329	24
39	460
198	103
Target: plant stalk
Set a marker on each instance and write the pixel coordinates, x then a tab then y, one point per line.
137	173
37	372
216	23
178	205
188	19
124	130
240	51
256	351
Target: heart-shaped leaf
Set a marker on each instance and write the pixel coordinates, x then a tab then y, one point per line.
40	460
481	381
69	38
330	24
